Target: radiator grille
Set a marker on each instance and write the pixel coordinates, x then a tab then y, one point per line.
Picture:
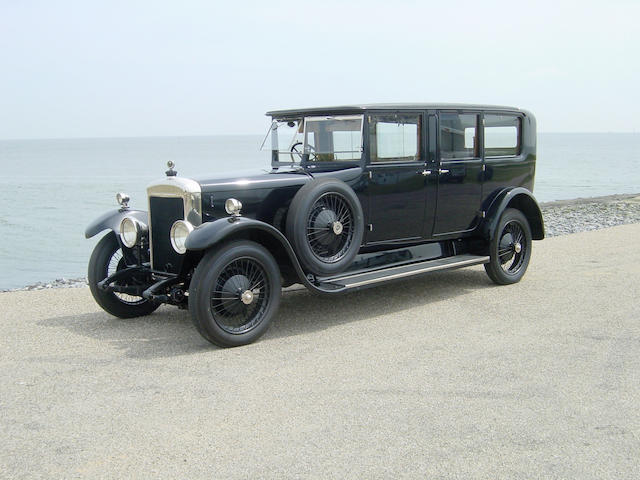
163	212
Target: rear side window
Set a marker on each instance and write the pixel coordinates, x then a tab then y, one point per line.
501	135
458	135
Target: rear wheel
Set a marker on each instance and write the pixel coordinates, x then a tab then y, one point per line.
107	259
234	294
510	248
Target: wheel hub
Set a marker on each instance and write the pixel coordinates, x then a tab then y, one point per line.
517	247
247	297
323	226
330	228
506	247
235	287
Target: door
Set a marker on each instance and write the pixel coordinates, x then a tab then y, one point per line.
397	177
459	174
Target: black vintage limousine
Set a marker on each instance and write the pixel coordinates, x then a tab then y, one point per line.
356	196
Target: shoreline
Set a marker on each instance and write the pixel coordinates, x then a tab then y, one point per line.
561	217
618	197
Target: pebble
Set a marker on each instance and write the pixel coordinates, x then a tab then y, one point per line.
573	216
57	283
560	218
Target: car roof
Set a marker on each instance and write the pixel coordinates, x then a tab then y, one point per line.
360	108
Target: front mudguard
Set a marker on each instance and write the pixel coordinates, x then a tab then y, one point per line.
111	221
211	233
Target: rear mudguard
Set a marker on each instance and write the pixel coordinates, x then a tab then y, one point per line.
208	234
516	197
111	220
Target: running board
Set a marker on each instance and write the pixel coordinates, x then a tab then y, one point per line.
359	280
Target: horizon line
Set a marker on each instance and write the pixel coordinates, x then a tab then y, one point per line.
120	137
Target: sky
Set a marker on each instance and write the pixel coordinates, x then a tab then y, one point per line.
154	68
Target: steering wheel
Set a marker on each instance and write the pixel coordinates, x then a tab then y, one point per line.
296	151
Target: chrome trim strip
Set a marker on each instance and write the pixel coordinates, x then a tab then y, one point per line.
454	161
430	268
502	157
176	187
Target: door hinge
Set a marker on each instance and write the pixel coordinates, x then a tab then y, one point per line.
370	227
370	174
482	214
484	167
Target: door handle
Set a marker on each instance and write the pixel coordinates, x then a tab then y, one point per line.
443	170
426	172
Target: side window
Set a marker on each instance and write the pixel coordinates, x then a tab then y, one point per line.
394	138
458	135
501	135
347	144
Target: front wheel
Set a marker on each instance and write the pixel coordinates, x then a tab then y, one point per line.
106	260
510	248
234	293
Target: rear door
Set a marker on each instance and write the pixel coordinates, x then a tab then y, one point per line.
460	172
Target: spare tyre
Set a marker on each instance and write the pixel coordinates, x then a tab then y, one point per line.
325	225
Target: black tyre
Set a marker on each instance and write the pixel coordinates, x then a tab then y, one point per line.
325	225
107	259
510	248
234	293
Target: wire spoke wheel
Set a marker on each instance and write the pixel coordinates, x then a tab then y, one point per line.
234	293
116	263
510	248
325	226
107	258
511	251
330	227
240	295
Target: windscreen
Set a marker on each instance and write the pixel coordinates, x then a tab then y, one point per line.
284	141
314	139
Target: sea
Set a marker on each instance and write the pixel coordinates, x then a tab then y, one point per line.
50	190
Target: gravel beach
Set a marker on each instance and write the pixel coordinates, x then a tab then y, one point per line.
585	214
445	376
561	218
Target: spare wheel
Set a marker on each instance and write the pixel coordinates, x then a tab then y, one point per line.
325	225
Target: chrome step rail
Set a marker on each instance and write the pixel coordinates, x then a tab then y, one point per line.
359	280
